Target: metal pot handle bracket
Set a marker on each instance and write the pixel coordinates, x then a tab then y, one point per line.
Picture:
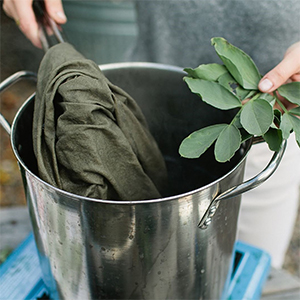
9	82
243	187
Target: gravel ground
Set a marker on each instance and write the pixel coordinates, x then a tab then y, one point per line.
18	54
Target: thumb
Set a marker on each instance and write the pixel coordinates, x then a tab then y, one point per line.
286	69
55	10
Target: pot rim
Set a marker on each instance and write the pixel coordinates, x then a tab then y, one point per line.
123	202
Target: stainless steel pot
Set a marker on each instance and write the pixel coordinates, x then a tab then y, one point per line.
151	249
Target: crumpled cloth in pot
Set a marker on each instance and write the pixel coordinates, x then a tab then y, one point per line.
89	136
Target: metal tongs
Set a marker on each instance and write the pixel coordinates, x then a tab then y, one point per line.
47	40
45	22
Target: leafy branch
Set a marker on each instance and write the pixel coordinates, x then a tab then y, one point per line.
226	86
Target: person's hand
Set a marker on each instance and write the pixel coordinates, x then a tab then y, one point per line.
21	11
286	71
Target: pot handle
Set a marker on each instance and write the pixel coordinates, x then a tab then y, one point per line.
243	187
6	84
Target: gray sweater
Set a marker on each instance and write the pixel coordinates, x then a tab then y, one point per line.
178	32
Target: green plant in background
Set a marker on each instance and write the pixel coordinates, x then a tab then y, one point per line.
226	87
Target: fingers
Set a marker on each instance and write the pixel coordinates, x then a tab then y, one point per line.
55	10
287	69
22	13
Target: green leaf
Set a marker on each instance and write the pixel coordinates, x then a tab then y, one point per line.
286	126
295	111
296	128
288	123
277	117
244	94
199	141
290	91
238	63
270	98
228	142
250	93
231	84
274	138
257	116
209	72
213	93
228	82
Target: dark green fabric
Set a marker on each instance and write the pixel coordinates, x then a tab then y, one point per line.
90	137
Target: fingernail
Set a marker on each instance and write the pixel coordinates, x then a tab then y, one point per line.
265	85
61	16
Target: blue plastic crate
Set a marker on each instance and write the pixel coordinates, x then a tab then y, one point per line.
251	269
20	274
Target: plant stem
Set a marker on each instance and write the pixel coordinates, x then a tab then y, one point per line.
236	117
280	103
256	96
